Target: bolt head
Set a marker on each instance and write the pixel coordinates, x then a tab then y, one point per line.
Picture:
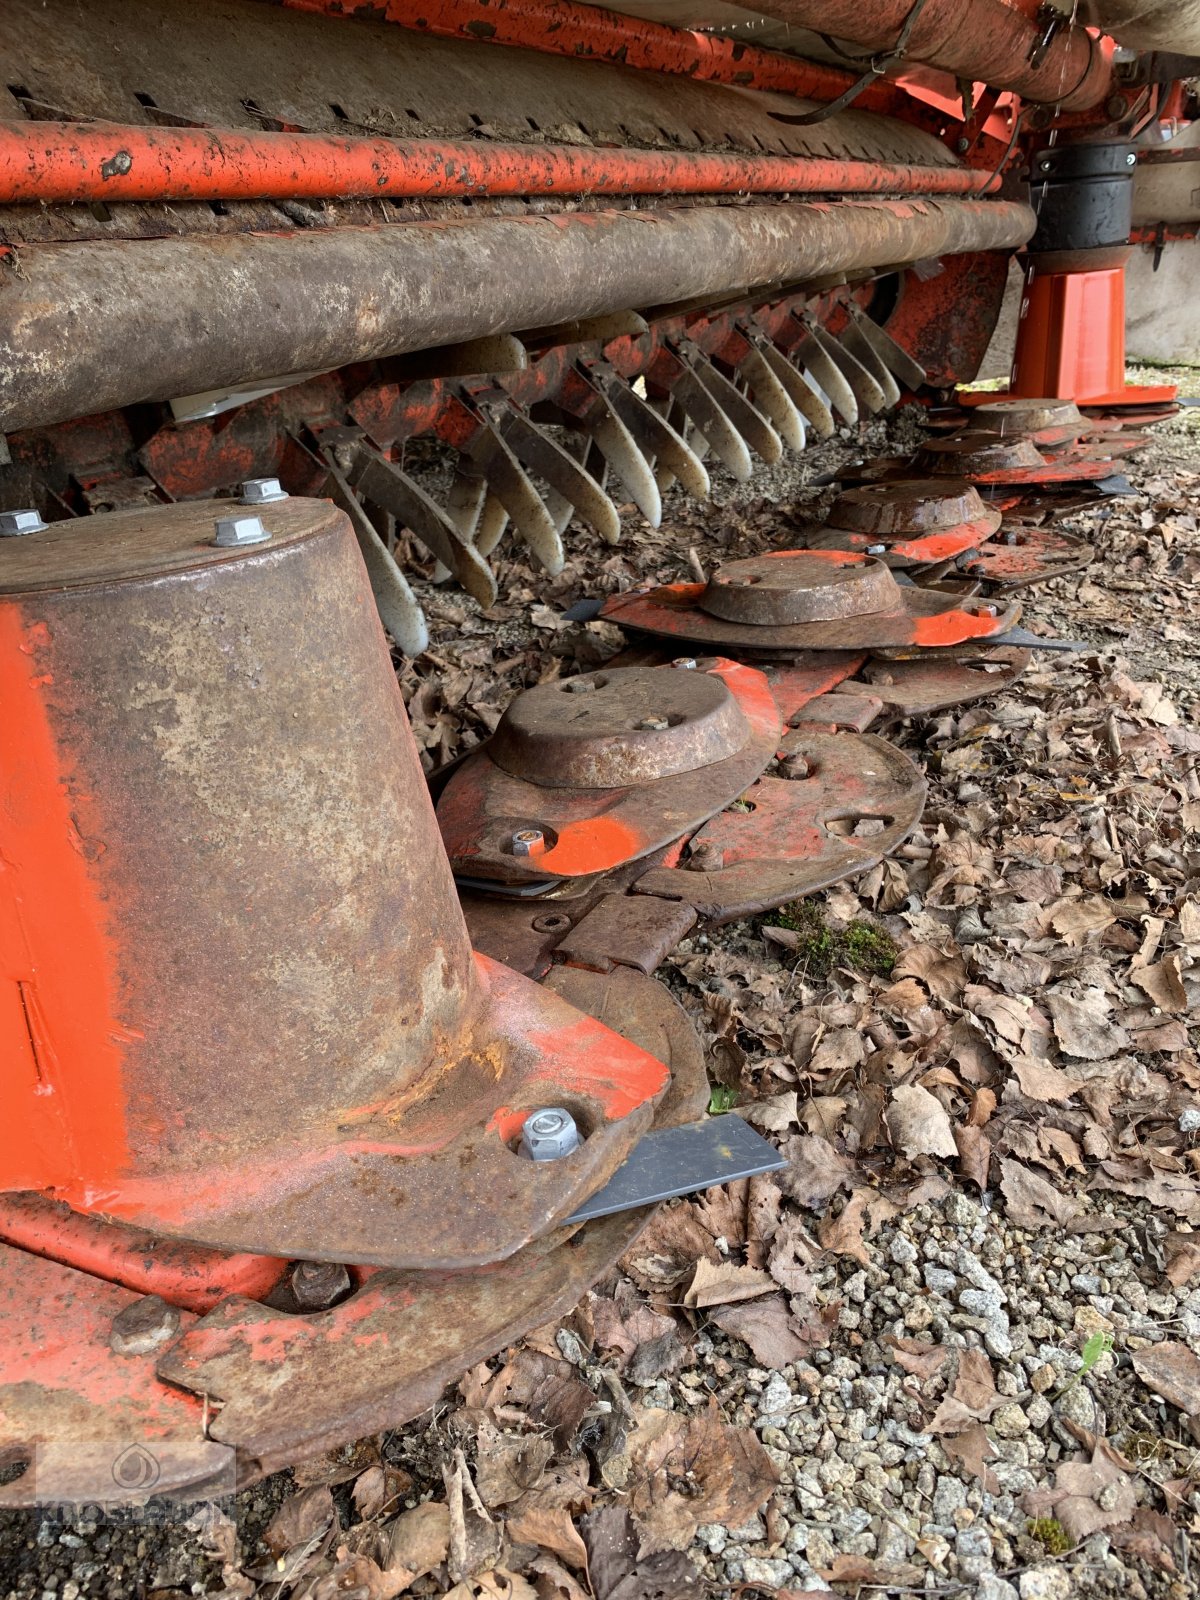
653	724
549	1134
1131	159
986	611
316	1285
876	549
233	532
528	842
144	1326
685	663
15	524
262	491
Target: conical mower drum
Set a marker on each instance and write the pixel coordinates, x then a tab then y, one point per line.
238	1004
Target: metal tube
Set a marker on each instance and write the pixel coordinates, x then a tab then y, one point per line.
591	33
46	162
1001	44
988	40
90	326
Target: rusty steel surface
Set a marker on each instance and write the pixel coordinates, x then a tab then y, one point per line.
292	1387
795	587
98	1427
624	930
46	162
605	729
1007	46
915	688
648	1015
239	65
914	521
1025	555
224	858
96	325
806	677
575	832
993	460
920	617
841	710
85	1423
860	799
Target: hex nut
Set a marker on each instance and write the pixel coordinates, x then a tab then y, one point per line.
144	1326
685	663
549	1134
528	842
15	524
653	724
262	491
316	1285
233	532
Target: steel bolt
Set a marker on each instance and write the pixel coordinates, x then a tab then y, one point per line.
316	1285
579	685
142	1327
14	524
985	611
1008	537
685	663
549	1134
528	842
653	724
262	491
876	550
234	531
1131	159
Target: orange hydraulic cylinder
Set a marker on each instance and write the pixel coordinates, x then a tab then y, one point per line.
46	162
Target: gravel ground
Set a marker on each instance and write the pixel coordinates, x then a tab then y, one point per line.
937	1381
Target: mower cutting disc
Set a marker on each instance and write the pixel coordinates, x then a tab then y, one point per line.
584	774
915	688
790	837
907	615
907	522
990	460
1022	556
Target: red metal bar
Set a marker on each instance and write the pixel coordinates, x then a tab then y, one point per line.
44	162
183	1274
590	33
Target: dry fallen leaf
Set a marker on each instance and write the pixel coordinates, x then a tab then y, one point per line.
1172	1370
725	1284
1031	1201
919	1124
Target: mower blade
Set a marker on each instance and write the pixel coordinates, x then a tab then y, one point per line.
894	356
745	417
856	344
867	391
545	456
658	439
826	374
398	607
811	405
624	457
378	480
685	1160
509	483
709	419
773	398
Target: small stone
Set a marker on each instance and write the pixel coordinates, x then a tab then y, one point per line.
990	1587
1077	1406
1045	1583
939	1281
1038	1411
1088	1321
767	1574
819	1551
1043	1378
777	1401
903	1251
1010	1422
961	1212
973	1548
949	1497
